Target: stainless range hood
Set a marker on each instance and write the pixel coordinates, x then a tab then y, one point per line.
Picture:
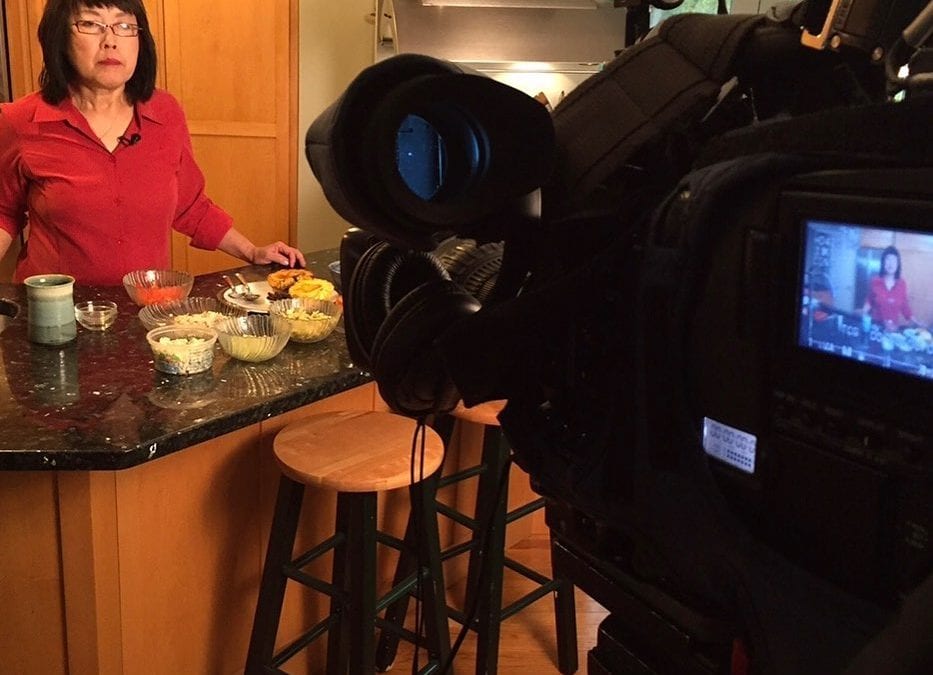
490	35
533	4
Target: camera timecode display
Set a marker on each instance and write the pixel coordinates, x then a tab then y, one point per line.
866	294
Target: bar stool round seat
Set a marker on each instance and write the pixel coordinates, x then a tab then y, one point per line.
356	454
354	451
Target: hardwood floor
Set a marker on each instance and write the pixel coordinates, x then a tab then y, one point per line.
528	639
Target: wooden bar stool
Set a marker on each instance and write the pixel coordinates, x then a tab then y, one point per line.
356	454
488	560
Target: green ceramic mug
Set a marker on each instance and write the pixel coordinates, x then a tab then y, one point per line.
51	313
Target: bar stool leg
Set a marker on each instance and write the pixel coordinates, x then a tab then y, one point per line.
360	581
433	592
338	636
487	561
272	586
566	617
395	613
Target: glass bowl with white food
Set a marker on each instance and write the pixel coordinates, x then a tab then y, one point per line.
182	350
196	311
311	320
254	337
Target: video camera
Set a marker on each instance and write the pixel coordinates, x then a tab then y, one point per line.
684	311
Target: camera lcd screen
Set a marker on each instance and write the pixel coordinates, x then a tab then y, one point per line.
866	294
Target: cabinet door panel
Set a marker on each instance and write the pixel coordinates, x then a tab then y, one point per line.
224	61
22	22
242	182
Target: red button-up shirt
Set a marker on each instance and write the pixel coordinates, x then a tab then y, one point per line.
97	214
888	306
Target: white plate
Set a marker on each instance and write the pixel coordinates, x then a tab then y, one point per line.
260	304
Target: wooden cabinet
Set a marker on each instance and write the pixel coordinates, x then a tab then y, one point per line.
153	569
233	67
22	18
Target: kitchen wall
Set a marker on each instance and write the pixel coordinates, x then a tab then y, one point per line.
335	42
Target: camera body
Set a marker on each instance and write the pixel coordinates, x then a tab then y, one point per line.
681	325
818	428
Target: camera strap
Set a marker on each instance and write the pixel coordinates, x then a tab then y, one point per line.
657	87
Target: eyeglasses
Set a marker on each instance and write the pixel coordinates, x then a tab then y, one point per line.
121	29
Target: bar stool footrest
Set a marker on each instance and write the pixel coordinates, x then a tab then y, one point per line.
304	640
404	587
525	510
389	540
463	474
401	631
318	585
527	572
457	516
528	599
457	549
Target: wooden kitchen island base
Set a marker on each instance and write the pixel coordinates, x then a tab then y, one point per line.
152	569
155	569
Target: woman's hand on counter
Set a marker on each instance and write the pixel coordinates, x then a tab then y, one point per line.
278	252
237	245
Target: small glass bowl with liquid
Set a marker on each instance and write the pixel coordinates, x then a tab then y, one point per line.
97	315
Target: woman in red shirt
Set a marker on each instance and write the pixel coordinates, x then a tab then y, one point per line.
99	163
887	294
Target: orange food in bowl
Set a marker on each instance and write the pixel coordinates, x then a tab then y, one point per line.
315	289
282	280
156	294
148	287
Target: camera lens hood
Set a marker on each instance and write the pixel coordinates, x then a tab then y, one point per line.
498	146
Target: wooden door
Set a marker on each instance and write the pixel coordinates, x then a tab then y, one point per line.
232	65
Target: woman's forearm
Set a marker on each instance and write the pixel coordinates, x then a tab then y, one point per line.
236	244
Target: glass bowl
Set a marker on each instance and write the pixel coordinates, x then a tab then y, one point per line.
311	320
182	350
334	268
96	315
254	338
190	311
148	287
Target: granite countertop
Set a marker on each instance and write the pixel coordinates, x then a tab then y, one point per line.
98	404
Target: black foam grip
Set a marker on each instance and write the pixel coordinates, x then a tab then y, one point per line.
409	371
381	278
364	311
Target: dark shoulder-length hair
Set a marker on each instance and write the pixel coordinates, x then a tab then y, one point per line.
891	250
55	30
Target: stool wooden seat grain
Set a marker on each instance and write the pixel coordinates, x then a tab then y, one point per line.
488	560
356	454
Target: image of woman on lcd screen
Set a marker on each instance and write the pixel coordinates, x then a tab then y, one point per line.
886	302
